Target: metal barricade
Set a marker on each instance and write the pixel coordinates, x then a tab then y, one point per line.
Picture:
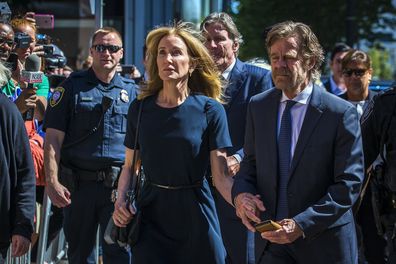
57	250
25	259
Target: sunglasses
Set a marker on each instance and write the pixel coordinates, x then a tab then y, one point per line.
357	72
102	48
6	41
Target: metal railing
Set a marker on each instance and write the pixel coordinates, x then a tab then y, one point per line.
56	251
25	259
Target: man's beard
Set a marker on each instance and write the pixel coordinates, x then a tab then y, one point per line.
291	82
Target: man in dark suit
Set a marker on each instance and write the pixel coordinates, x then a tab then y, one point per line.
303	163
243	81
335	83
357	72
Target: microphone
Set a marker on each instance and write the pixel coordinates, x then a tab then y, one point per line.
31	75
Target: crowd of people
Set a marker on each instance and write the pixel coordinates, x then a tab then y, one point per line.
241	164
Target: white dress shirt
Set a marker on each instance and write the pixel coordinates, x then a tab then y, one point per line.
297	113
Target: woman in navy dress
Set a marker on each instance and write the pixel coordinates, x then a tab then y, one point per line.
183	128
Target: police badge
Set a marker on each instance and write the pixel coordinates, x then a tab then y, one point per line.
124	96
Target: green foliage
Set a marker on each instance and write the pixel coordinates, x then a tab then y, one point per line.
327	18
380	62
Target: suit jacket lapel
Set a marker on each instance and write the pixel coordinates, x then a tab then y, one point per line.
312	116
272	109
237	77
369	98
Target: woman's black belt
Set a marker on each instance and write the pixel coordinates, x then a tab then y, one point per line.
178	187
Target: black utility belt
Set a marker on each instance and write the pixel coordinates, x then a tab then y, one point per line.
197	184
100	175
71	177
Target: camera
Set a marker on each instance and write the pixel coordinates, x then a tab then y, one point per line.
22	40
55	62
12	62
54	57
48	50
5	12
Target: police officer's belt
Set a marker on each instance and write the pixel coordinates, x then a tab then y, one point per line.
177	187
86	175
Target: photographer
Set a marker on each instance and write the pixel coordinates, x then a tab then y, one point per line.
54	60
25	38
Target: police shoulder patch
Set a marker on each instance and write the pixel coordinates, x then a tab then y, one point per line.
57	96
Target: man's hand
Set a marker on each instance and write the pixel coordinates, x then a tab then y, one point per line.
248	207
27	99
289	233
233	165
29	16
20	245
59	194
39	50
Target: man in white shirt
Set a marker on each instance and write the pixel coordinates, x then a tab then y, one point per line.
303	164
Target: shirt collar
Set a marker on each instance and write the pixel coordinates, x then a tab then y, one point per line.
226	73
301	97
115	82
334	87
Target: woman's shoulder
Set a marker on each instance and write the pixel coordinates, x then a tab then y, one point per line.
206	100
211	107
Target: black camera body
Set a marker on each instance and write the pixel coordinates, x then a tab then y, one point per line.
48	50
54	57
22	40
55	62
12	62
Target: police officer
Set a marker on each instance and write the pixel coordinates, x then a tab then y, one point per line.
85	129
379	136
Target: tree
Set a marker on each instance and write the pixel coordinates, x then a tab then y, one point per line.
380	63
327	18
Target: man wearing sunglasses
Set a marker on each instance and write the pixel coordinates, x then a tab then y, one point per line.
357	73
85	127
6	41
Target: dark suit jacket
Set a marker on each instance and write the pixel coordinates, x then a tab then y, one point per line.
245	81
326	169
370	97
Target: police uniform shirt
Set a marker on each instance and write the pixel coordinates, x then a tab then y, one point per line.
76	109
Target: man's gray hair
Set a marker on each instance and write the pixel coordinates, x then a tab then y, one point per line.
309	48
226	21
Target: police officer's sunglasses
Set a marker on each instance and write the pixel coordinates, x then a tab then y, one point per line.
357	72
6	41
102	48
